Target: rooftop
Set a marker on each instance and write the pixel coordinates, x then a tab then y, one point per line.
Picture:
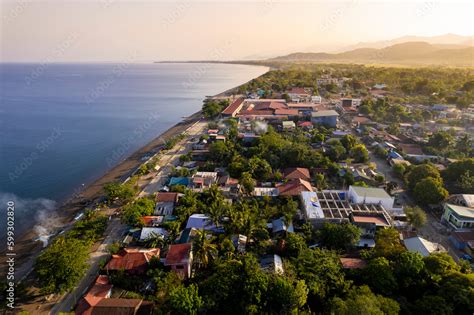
422	246
324	113
370	192
178	254
166	197
132	259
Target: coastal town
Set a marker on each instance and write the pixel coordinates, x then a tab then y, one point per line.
307	196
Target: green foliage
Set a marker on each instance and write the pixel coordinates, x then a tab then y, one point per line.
90	228
387	243
203	249
122	192
322	273
379	276
212	108
459	173
132	213
60	266
285	297
359	153
429	191
339	236
361	300
419	172
294	244
416	216
185	300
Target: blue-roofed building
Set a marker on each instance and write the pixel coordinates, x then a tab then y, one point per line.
279	226
395	155
179	181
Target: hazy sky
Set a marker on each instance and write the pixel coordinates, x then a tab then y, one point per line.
113	30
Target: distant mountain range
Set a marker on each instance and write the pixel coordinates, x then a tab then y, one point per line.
446	53
446	39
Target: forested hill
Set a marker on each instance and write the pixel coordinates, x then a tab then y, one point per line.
410	53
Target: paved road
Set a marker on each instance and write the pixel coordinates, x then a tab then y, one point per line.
171	159
69	300
433	230
115	227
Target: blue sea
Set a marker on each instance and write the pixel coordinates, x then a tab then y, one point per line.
64	125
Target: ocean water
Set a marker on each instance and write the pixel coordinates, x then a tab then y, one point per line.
64	125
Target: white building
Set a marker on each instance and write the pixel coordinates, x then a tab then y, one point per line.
364	195
422	246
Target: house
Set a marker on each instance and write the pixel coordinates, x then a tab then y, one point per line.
101	289
272	263
228	184
361	120
200	221
325	117
132	260
459	212
298	94
204	179
410	149
233	109
279	226
294	187
316	99
296	173
422	246
180	258
364	195
306	125
240	242
369	223
288	125
148	232
166	201
265	191
463	241
336	206
352	263
152	220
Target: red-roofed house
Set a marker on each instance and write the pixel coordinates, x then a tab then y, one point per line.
165	202
100	290
298	94
294	187
297	173
116	306
152	220
180	258
132	260
233	109
167	197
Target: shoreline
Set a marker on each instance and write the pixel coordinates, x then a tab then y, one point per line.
27	249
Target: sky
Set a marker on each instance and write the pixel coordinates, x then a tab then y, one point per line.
144	31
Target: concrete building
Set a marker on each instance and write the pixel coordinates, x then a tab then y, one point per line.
459	212
325	117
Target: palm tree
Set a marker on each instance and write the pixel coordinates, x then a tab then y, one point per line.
155	240
203	249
